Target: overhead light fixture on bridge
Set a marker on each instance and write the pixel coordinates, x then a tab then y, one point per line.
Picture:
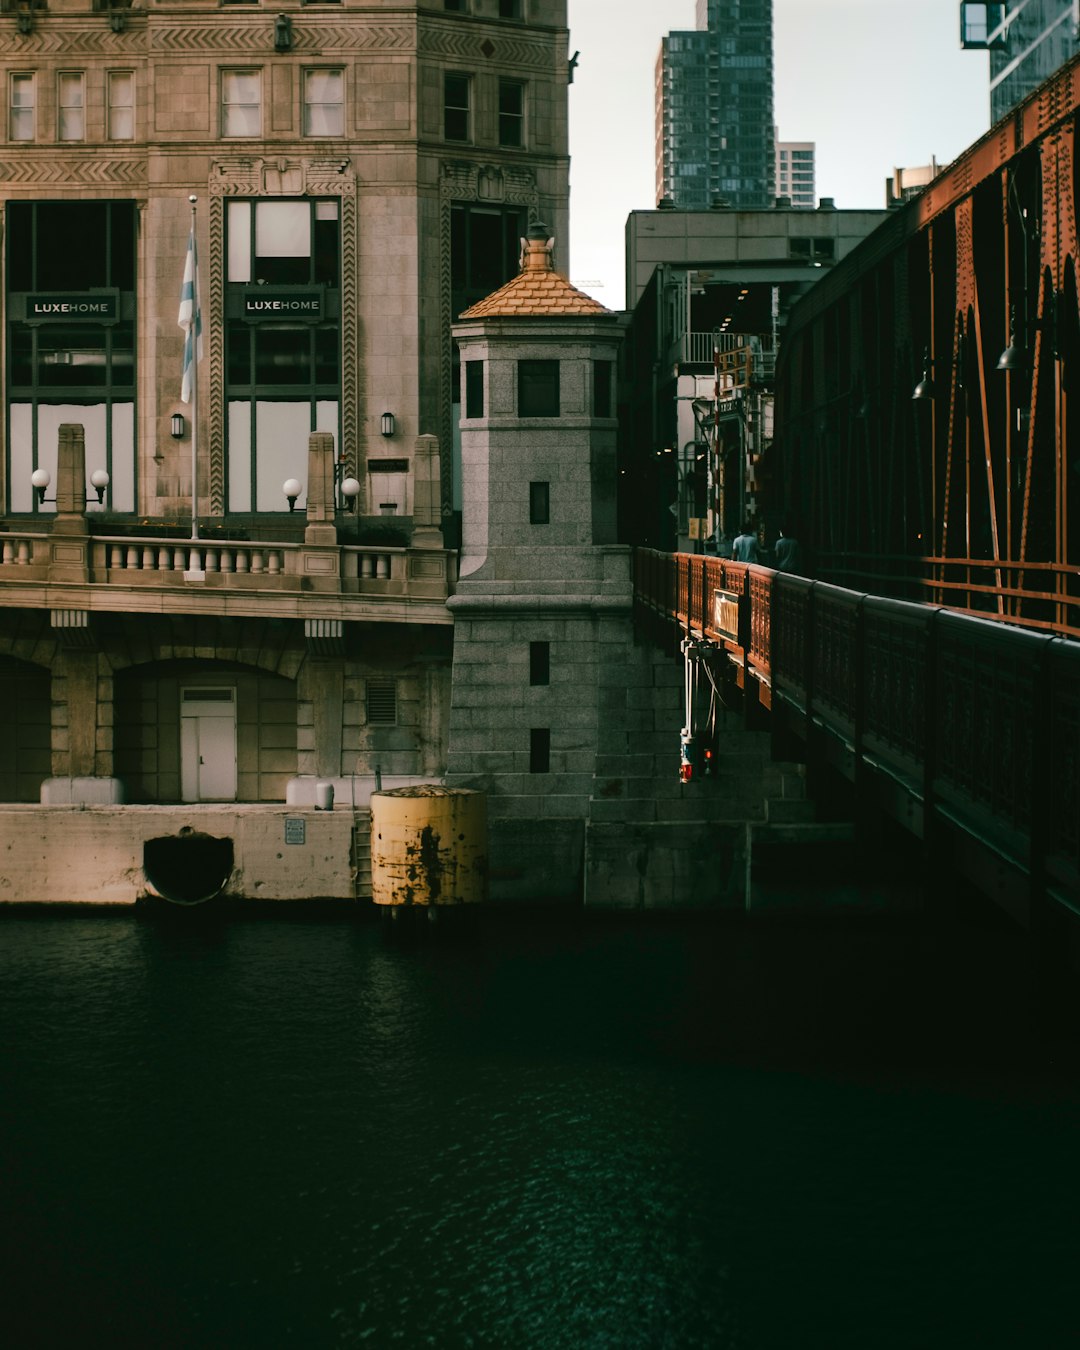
1012	358
292	488
925	387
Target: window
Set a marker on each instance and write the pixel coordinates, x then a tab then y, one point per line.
283	243
511	113
601	388
21	108
60	370
324	103
981	25
539	504
70	122
241	103
455	6
485	243
456	107
382	702
474	388
539	750
538	388
509	9
282	340
539	662
121	105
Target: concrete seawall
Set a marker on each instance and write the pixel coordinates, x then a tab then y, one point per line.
95	854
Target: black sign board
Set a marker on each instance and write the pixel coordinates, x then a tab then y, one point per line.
74	307
271	302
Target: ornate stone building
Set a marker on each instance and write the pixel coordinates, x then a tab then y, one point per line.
363	171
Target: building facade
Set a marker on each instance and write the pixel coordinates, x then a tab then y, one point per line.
709	294
795	173
1028	40
361	172
714	108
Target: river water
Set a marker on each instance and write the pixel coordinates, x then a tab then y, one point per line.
556	1130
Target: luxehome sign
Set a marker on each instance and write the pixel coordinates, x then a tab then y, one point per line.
97	308
264	303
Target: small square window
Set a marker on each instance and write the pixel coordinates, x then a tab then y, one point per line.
455	6
474	388
539	503
540	750
539	662
509	9
538	388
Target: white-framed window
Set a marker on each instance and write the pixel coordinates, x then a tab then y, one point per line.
324	103
121	112
70	106
241	102
21	107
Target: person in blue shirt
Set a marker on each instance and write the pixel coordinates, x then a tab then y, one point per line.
745	548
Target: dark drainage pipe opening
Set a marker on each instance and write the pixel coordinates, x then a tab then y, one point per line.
188	868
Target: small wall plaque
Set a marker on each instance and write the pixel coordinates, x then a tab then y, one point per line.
295	830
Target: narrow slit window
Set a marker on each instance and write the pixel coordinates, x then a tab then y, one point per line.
539	503
539	662
540	750
474	388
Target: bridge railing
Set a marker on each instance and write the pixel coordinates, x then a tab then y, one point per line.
977	720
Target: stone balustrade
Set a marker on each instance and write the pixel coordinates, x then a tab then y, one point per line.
31	557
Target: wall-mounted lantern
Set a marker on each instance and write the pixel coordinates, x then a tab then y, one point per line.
176	426
387	424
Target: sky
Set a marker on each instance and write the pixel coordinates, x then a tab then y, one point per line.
875	84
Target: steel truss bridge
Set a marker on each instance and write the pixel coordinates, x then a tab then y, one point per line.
963	730
969	494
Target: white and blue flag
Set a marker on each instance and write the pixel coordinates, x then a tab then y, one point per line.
190	319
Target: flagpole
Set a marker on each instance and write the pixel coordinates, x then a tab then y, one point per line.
194	383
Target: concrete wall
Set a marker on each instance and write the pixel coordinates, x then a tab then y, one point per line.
94	855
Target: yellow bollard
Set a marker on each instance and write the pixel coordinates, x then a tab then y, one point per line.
428	846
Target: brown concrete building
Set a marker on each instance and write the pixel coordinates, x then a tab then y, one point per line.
364	170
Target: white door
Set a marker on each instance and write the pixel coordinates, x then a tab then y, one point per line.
208	745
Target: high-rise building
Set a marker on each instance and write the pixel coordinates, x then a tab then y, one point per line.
795	172
1027	40
714	109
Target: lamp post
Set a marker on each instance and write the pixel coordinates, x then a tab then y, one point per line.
41	478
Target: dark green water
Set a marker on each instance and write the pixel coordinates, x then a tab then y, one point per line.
555	1132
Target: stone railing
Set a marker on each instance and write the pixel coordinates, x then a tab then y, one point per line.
144	563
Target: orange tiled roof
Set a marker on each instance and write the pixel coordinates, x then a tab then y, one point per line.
536	290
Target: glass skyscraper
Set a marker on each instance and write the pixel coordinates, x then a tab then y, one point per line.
714	109
1027	40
